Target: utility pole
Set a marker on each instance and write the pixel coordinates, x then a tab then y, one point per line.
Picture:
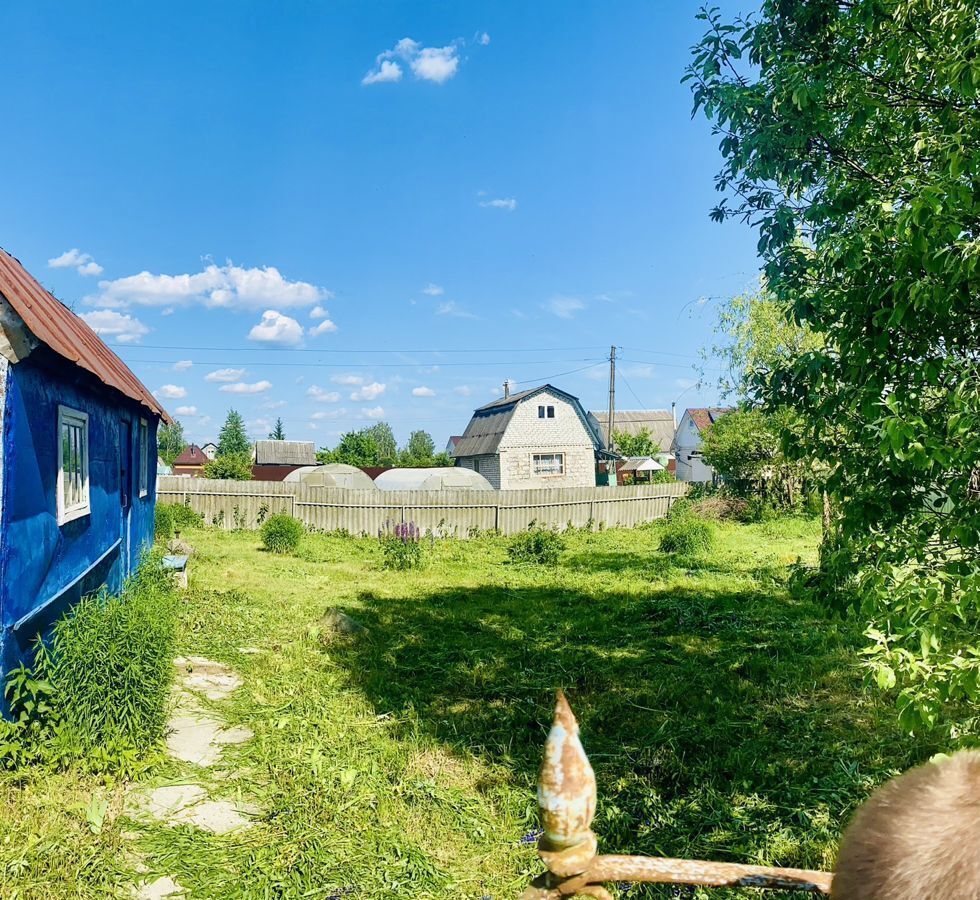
612	414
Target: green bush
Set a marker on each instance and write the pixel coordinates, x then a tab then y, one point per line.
233	466
685	532
282	533
185	517
98	692
163	524
401	546
536	545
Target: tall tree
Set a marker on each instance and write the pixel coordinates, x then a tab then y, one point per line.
233	439
170	442
356	448
384	439
848	134
420	449
639	444
278	433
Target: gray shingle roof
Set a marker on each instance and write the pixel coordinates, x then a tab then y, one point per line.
660	423
285	453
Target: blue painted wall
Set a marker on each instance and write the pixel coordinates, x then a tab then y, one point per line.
44	567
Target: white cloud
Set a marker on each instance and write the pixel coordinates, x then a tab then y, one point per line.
186	411
319	395
564	307
225	375
374	412
483	39
347	379
324	327
273	404
508	203
387	71
451	308
275	328
433	290
329	413
435	64
171	392
229	286
182	365
368	392
318	312
123	328
423	391
240	387
463	390
75	259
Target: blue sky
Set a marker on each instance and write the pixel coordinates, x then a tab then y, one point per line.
338	212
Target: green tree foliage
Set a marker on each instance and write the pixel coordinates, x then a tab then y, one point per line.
848	134
233	439
278	433
420	451
235	466
356	448
170	442
639	444
384	439
745	448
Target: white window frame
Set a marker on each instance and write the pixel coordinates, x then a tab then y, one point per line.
535	457
78	419
144	446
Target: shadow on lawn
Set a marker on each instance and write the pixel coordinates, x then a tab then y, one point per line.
714	718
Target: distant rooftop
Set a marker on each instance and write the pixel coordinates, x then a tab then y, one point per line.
285	453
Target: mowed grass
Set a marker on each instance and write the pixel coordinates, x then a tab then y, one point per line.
723	718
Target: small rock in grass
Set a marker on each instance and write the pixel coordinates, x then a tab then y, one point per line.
213	679
158	889
335	622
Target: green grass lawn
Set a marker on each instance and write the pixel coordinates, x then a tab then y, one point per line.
723	718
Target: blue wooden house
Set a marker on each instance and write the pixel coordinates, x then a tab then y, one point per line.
77	462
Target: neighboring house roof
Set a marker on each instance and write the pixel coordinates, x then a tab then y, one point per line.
285	453
659	422
58	328
453	443
489	423
706	416
210	444
191	455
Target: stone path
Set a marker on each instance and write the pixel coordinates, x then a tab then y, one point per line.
196	736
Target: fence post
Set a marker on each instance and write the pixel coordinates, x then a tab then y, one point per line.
567	847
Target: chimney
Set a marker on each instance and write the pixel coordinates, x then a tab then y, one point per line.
506	388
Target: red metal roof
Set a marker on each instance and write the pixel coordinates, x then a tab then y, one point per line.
705	417
191	455
68	335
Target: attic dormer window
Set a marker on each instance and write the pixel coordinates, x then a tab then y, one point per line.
546	412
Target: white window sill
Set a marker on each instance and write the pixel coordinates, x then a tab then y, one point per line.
69	515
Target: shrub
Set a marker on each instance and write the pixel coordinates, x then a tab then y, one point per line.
685	532
163	524
401	546
536	545
185	517
99	693
282	533
234	466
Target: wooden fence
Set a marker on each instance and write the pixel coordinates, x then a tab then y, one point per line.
244	504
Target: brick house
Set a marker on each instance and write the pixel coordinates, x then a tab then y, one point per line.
687	442
540	438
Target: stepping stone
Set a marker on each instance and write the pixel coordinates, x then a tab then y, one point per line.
213	679
156	890
194	736
189	804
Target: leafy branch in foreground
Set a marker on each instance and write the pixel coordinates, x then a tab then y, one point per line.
848	135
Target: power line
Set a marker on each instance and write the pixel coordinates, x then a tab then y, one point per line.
373	350
355	363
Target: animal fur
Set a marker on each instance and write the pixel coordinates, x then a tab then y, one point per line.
916	838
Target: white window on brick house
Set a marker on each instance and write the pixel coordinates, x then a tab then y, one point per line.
73	493
551	412
144	458
546	411
548	463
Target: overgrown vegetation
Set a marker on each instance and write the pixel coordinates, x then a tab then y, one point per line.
685	532
174	517
724	718
282	533
401	547
846	133
538	545
97	694
234	466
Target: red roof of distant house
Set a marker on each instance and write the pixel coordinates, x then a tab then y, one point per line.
454	439
68	335
191	455
706	416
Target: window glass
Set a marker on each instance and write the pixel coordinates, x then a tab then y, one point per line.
540	412
548	463
144	457
551	412
73	496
